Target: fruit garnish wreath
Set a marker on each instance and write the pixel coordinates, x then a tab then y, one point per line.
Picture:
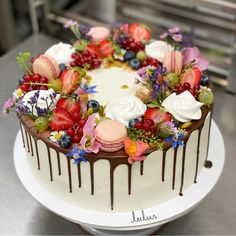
54	92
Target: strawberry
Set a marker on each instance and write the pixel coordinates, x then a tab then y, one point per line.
139	32
93	48
69	80
61	120
157	115
191	76
105	48
69	104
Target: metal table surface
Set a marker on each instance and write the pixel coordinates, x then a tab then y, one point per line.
22	214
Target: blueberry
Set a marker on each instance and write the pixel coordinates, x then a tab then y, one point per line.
129	55
204	80
65	141
134	63
93	104
62	67
132	122
21	79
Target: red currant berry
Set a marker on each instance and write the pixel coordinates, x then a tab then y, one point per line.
186	86
37	78
74	55
27	78
44	80
82	122
139	125
80	132
43	87
25	87
76	139
71	132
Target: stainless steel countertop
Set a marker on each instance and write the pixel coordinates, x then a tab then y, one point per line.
21	214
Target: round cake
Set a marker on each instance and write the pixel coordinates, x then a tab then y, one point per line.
117	121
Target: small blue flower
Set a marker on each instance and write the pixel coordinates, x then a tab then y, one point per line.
78	155
175	140
88	90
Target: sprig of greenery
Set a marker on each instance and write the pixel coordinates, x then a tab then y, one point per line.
146	137
81	45
23	61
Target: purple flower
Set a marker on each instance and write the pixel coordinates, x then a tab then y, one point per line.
177	37
22	108
175	140
191	55
164	35
40	111
162	70
156	87
174	30
7	105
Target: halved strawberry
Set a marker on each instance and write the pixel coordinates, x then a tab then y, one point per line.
157	115
105	48
191	76
139	32
70	80
61	120
93	48
69	104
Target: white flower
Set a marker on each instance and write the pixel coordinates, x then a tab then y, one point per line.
18	93
55	136
120	55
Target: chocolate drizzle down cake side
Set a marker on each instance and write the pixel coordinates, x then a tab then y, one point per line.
116	121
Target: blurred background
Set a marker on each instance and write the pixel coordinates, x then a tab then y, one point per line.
210	24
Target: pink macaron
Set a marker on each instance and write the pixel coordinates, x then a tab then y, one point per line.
111	134
46	66
98	33
173	62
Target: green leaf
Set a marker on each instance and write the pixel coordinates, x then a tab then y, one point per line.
23	61
153	104
81	45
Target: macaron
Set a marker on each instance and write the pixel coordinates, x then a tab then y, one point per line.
46	66
173	62
111	134
98	33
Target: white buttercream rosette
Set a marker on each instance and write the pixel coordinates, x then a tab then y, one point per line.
61	52
183	107
158	49
124	109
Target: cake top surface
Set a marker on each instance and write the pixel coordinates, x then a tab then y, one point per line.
113	90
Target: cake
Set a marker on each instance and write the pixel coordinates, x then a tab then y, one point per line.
117	121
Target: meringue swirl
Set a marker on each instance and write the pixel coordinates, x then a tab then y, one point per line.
124	109
183	107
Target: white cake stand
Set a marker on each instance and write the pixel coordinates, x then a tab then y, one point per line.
122	223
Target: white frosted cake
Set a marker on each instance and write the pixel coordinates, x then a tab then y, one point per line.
117	121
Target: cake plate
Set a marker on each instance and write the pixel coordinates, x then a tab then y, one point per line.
143	221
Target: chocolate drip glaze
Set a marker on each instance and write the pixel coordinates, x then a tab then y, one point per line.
50	163
69	174
163	165
79	174
58	162
174	167
208	164
141	167
31	146
198	152
129	178
182	171
37	153
27	141
23	139
116	159
92	176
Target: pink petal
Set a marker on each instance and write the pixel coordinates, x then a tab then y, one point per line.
202	62
141	148
90	124
190	54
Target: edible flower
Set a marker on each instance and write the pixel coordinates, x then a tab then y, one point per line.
88	90
18	93
88	141
55	136
77	155
177	139
192	55
7	105
135	149
174	30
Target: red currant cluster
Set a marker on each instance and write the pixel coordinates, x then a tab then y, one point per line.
76	133
150	62
86	57
130	45
33	82
146	124
187	87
